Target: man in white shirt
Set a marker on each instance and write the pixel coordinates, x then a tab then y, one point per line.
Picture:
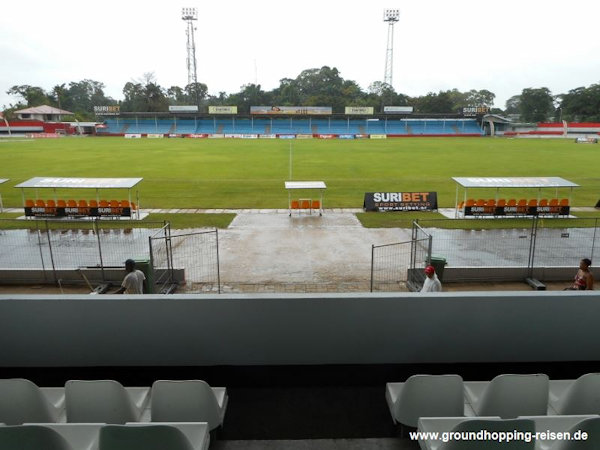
431	283
133	283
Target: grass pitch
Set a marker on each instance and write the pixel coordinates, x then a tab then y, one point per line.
202	173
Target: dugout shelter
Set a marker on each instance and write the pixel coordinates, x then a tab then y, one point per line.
518	204
98	207
305	188
2	181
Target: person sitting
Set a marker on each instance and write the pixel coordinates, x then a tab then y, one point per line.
431	283
584	280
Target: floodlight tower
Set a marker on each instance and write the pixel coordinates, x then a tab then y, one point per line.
190	15
391	16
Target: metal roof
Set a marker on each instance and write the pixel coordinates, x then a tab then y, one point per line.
513	182
305	185
80	183
3	180
43	109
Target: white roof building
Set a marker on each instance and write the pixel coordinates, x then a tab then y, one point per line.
44	113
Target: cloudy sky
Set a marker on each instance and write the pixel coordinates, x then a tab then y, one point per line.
439	44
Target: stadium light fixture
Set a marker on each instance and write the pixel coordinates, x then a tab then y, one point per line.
189	13
391	15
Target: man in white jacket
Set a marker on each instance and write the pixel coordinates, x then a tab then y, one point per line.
431	283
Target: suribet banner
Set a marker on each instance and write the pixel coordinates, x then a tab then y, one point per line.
400	201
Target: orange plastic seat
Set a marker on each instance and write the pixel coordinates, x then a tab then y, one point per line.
502	202
93	204
103	204
305	204
554	202
82	203
316	204
533	202
61	203
294	204
51	204
461	205
133	205
470	202
29	203
124	203
522	202
71	204
491	202
511	202
480	202
40	203
543	202
114	203
564	202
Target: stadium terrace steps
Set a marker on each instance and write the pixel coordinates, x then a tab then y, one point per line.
424	127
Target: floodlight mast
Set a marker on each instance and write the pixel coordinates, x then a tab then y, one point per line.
391	16
190	15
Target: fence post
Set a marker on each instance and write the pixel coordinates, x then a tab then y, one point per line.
97	229
51	252
534	226
372	262
594	239
218	262
39	235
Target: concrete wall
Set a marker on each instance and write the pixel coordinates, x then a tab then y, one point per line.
292	329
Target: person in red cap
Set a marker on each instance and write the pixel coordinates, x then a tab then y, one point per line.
432	282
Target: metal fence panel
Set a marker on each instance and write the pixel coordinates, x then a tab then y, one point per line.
198	254
561	247
161	257
389	266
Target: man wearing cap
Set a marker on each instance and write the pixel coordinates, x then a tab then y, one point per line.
133	283
431	283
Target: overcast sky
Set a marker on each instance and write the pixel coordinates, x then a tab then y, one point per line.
439	44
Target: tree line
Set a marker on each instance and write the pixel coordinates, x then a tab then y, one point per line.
312	87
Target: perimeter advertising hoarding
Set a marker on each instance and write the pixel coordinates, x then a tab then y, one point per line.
400	201
398	109
222	110
292	110
359	110
183	108
513	211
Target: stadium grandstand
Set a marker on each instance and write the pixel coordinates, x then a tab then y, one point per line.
337	126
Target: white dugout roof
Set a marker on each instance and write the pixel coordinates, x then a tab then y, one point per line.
80	183
513	182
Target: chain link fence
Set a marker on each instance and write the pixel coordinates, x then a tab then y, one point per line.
51	246
189	261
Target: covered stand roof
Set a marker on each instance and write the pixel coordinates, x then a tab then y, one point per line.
43	109
80	183
513	182
305	185
3	180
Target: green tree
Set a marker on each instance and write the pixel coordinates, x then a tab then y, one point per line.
581	104
33	95
432	103
536	105
513	105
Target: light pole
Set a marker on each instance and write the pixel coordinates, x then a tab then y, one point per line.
390	16
190	15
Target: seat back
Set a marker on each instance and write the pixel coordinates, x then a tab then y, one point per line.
98	401
142	437
470	202
492	426
512	395
40	203
31	437
61	203
429	396
51	204
124	203
114	203
590	426
582	397
294	204
304	204
480	202
93	203
553	202
502	202
533	202
511	202
82	203
184	401
71	204
29	203
316	204
22	401
522	202
543	202
564	202
491	202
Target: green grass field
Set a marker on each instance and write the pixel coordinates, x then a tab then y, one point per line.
202	173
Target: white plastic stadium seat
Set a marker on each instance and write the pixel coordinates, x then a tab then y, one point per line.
31	437
103	401
425	396
508	396
23	401
590	426
188	401
580	396
145	437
